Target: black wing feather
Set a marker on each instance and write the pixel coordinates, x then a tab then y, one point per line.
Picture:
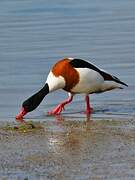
79	63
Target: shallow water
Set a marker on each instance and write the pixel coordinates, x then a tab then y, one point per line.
69	149
35	34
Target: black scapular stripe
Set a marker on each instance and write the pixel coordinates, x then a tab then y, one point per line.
79	63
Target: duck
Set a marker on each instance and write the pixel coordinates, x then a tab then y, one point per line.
75	76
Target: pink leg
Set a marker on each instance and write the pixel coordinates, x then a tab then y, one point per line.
88	108
60	107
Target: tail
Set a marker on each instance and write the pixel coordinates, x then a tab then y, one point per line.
109	77
119	81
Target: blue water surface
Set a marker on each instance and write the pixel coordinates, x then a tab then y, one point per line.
35	34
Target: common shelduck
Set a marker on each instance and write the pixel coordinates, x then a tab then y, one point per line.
76	76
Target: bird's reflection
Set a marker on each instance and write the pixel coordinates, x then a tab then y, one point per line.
60	118
70	133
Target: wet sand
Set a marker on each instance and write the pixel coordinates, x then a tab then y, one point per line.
68	148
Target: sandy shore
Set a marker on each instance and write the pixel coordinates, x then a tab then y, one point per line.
68	148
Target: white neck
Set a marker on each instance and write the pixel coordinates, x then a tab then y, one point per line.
54	82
